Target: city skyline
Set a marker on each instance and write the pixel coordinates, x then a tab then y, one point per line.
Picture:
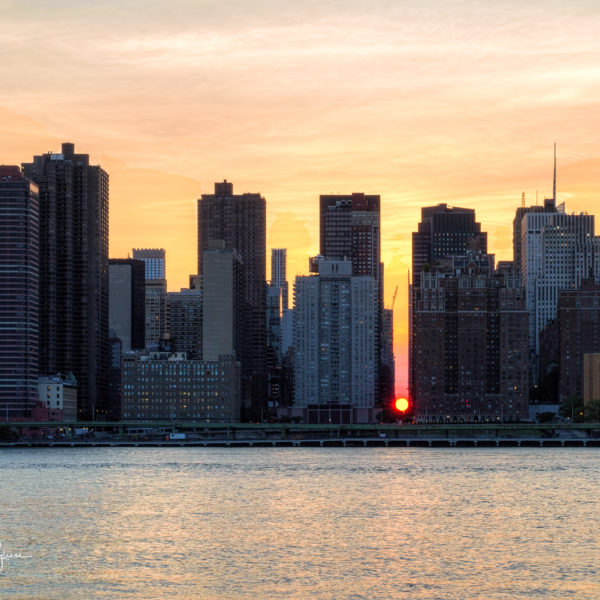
419	104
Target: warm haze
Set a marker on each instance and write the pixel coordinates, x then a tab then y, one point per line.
420	102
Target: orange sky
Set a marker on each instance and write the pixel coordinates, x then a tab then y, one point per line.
455	101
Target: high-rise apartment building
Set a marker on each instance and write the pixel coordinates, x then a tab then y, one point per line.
277	306
240	221
558	251
274	325
154	262
549	206
350	229
223	315
127	302
578	319
279	276
19	293
74	272
470	342
184	321
335	319
388	372
444	231
156	293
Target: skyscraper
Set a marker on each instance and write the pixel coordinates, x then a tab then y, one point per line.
19	293
558	251
278	275
578	319
335	316
223	330
184	321
387	375
127	302
548	207
154	262
156	293
277	306
443	231
470	345
350	228
74	272
240	221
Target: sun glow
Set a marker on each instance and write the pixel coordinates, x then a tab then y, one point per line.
401	405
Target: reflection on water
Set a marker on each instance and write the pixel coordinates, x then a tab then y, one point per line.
224	523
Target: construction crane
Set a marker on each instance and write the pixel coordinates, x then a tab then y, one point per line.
394	298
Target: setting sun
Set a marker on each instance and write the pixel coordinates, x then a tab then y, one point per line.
401	404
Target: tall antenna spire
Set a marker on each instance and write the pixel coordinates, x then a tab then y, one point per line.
523	200
554	180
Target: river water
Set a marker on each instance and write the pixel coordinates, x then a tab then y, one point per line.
301	523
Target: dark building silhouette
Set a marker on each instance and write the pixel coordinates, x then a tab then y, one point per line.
156	294
74	272
127	302
114	377
224	312
277	306
579	333
443	231
184	321
350	228
19	293
387	376
240	221
470	342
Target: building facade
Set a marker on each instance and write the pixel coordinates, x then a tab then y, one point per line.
591	377
166	386
578	322
388	371
350	228
156	294
74	272
225	327
240	221
558	251
279	275
470	343
19	293
335	316
127	302
184	321
154	262
58	395
443	231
